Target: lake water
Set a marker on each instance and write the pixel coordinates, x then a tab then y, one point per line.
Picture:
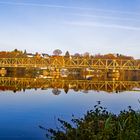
26	103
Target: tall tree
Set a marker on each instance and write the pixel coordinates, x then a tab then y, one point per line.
67	54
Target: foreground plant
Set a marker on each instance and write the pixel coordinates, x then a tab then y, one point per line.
98	124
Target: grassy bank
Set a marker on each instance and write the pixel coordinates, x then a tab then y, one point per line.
99	124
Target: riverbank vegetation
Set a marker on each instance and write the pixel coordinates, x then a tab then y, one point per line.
98	124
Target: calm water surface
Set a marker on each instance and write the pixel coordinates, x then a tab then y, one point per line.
22	112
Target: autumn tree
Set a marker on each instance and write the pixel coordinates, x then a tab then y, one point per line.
86	54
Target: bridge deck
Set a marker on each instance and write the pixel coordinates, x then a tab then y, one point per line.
62	62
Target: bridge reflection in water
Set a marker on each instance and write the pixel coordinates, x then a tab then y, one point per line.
110	85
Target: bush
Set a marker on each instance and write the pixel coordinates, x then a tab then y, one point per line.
99	124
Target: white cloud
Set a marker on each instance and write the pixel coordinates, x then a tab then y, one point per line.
96	24
105	17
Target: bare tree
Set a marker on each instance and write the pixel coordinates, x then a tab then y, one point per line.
57	52
77	55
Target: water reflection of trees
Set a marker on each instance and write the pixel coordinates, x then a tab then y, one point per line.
66	88
56	91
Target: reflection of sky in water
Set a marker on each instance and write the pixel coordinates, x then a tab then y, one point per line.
21	113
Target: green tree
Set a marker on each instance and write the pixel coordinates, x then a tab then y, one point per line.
67	54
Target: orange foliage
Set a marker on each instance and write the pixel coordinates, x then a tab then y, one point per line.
12	54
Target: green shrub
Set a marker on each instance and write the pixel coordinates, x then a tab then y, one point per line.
99	124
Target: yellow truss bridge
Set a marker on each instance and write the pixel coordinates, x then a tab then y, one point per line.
17	84
71	62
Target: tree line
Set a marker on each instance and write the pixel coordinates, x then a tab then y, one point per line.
57	52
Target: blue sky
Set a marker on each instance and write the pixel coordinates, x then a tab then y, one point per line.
95	26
